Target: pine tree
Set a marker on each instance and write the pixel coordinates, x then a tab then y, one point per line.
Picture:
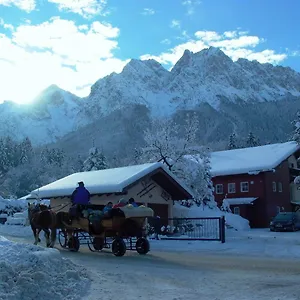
95	161
54	156
232	142
25	151
4	164
252	141
296	133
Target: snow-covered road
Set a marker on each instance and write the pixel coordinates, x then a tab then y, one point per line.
187	275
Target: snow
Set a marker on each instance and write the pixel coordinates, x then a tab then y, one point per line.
238	201
101	181
251	160
231	220
254	242
17	231
18	219
30	272
10	206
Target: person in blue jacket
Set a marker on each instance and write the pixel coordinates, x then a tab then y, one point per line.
108	207
80	199
81	195
132	202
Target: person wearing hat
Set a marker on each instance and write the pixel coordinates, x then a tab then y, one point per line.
81	195
80	198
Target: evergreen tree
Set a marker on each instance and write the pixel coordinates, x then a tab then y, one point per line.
4	164
52	156
77	164
232	142
11	152
252	141
95	161
25	151
296	133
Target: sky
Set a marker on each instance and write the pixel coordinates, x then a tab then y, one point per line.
73	43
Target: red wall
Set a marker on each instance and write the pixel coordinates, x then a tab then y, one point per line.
274	199
256	189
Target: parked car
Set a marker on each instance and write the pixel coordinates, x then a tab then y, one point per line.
285	221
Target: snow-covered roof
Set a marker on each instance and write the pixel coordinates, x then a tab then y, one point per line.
103	181
251	160
239	201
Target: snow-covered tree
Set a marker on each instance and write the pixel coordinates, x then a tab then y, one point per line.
296	133
54	156
25	151
77	164
182	156
95	161
252	141
232	142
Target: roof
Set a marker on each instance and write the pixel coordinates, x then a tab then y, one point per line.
114	181
251	160
239	201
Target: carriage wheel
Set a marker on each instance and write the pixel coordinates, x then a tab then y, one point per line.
118	247
73	244
62	239
142	246
97	244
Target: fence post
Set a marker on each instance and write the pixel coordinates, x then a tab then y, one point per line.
222	229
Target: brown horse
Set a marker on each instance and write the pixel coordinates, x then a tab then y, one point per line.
41	217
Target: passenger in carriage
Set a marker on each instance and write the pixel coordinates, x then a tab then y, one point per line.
132	202
108	207
122	202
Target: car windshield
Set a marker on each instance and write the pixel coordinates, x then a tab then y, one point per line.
284	216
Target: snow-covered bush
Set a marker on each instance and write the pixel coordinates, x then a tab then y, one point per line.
231	220
12	206
225	206
297	180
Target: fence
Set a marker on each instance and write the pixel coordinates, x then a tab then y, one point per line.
205	229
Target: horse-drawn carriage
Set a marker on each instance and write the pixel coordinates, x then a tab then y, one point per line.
120	229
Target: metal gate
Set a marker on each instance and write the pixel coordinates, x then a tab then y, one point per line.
204	229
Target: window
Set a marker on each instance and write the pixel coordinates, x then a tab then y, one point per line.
236	210
219	189
280	187
274	186
231	188
244	187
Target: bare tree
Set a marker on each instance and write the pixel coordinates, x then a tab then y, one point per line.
175	146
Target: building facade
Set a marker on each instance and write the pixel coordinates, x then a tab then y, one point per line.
259	194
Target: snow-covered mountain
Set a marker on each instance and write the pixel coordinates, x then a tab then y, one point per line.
208	82
51	115
208	76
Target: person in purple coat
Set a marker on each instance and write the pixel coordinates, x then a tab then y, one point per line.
81	195
80	199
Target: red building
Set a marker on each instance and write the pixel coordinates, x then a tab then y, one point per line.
256	182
